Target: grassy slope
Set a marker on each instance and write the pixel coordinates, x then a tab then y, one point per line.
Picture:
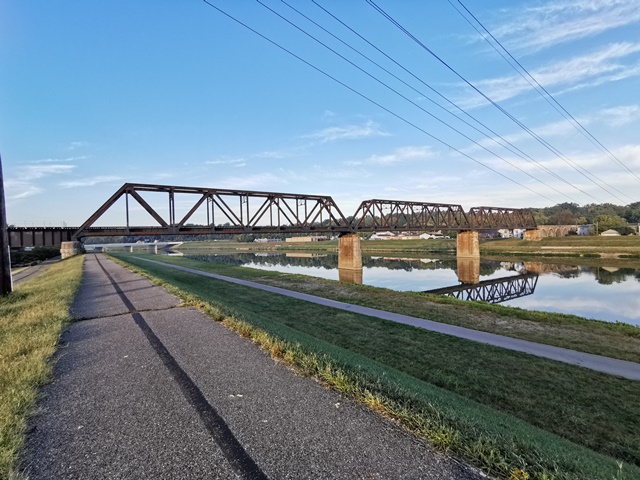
31	319
595	410
568	245
568	331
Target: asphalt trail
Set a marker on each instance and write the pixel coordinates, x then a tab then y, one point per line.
240	461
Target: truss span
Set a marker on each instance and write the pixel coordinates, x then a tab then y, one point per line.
173	210
227	212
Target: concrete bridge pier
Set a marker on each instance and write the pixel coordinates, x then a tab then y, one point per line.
469	270
349	258
69	249
468	255
468	245
350	275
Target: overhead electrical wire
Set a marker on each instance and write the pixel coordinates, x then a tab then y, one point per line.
588	175
394	90
422	94
353	90
503	143
542	91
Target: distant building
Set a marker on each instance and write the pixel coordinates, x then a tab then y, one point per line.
584	230
382	236
610	233
315	238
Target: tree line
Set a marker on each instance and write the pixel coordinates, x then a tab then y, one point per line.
605	215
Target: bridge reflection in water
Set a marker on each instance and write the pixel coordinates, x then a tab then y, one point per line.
492	291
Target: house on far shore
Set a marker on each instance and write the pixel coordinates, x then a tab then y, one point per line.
382	236
314	238
610	233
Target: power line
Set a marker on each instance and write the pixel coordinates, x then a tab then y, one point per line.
430	100
555	151
392	89
399	117
551	100
512	148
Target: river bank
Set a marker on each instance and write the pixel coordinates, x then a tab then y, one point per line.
454	393
593	247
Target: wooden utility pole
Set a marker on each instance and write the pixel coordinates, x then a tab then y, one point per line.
6	284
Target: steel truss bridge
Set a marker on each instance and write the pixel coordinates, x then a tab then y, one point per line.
230	211
492	291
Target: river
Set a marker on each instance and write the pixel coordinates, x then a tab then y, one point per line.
595	291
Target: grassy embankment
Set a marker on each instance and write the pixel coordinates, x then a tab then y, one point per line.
616	340
31	319
626	247
513	414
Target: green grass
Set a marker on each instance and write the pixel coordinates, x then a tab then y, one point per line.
565	245
492	406
615	340
31	319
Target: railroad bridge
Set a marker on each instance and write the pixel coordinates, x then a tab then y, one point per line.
230	211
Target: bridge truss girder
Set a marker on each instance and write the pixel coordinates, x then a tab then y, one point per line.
501	218
228	212
237	212
376	215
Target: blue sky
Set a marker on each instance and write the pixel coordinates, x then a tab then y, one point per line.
96	94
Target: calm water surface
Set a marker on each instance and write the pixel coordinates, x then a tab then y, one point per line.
603	293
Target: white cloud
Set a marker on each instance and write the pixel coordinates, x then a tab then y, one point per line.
592	69
259	181
34	172
235	162
59	160
89	182
621	115
401	155
77	145
18	190
548	24
349	132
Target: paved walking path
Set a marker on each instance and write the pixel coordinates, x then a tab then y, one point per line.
146	389
621	368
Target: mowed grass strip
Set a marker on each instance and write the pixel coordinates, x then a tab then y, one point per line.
487	401
31	319
611	339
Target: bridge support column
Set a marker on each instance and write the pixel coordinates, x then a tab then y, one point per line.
468	245
350	275
469	270
350	258
69	249
532	235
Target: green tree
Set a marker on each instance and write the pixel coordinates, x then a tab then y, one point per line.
562	217
632	213
610	222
